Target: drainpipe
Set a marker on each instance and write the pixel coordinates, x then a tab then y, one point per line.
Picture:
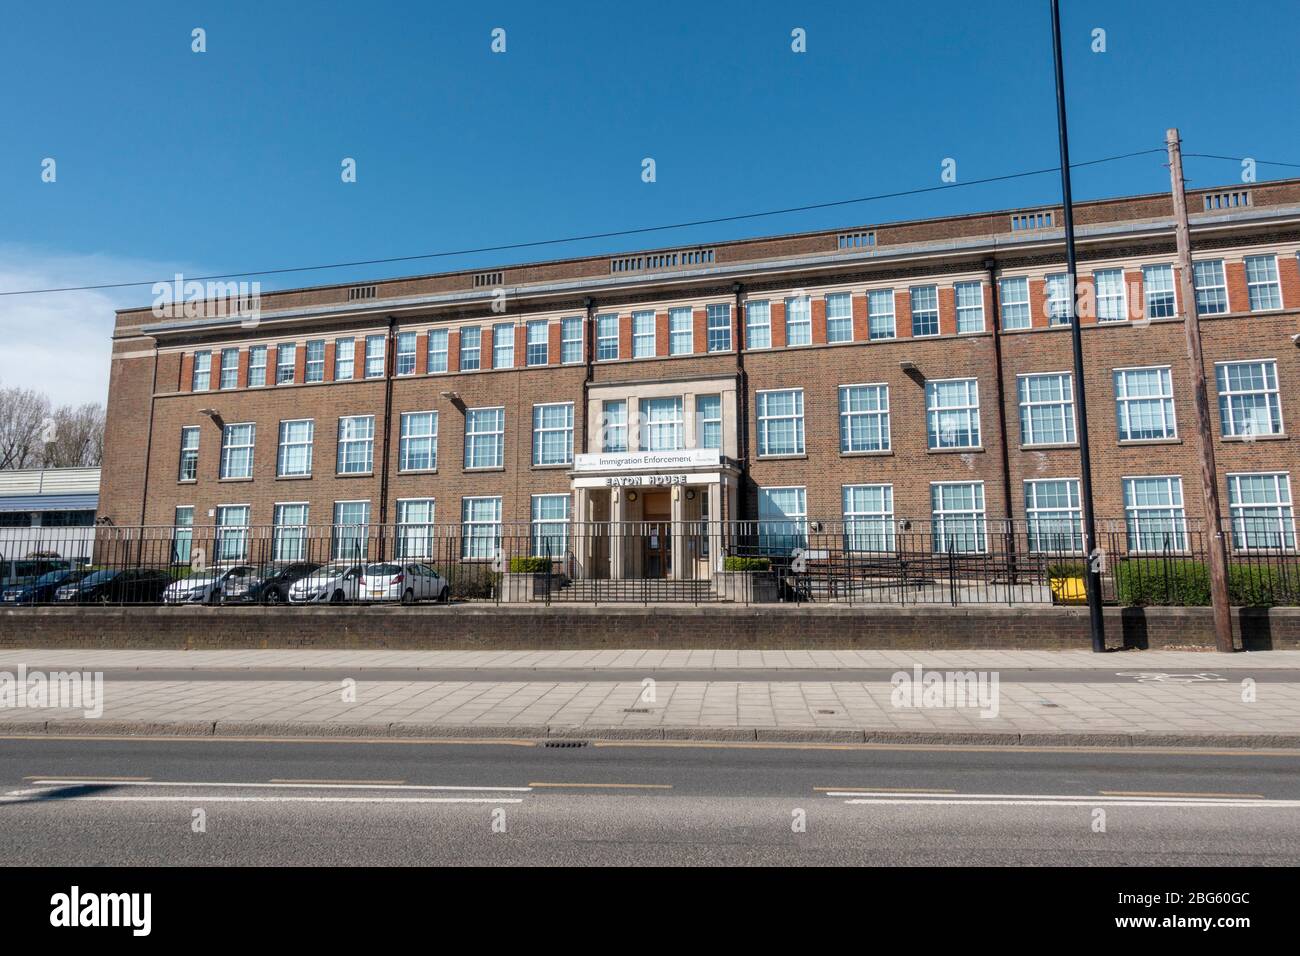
148	449
390	358
991	266
588	343
742	400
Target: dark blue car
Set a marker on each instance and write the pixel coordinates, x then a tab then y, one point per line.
41	591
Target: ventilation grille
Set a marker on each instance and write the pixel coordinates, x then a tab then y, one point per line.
662	260
1022	222
855	240
565	743
1232	199
361	292
483	280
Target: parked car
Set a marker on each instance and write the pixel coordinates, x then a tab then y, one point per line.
407	583
41	590
332	583
18	571
266	584
203	587
132	586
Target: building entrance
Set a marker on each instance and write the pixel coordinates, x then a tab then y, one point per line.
656	535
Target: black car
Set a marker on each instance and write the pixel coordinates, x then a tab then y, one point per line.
41	591
133	586
268	584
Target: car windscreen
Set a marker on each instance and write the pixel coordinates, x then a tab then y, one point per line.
380	569
99	577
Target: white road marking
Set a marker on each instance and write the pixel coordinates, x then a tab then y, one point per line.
198	799
63	781
1056	800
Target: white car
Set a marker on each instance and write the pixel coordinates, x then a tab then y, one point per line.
331	584
203	587
408	583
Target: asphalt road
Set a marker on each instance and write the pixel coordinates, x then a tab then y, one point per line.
124	801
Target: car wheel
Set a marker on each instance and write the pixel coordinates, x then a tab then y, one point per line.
272	596
337	597
103	599
444	596
408	596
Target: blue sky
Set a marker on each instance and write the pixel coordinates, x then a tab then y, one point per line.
229	160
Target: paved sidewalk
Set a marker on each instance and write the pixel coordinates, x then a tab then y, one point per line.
1204	712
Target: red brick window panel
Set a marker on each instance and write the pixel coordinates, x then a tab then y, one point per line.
453	350
1038	303
625	336
1178	291
187	372
241	379
1238	294
947	310
1134	292
359	359
1288	272
271	364
661	333
300	363
819	320
554	342
903	313
861	328
422	353
521	345
330	358
777	308
1087	301
216	369
700	330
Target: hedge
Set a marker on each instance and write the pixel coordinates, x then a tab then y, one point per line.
523	565
746	564
1144	581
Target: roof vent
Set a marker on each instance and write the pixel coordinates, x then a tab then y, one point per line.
484	280
1232	199
361	292
1024	221
856	240
662	260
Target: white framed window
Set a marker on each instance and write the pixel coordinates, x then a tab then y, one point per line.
864	418
356	451
553	433
680	331
537	340
485	437
350	534
1211	286
606	338
183	534
201	377
415	528
780	422
571	339
289	531
417	448
925	310
375	345
480	526
708	416
1112	303
758	325
868	517
406	343
880	315
189	465
1054	515
229	368
1144	404
1013	295
1261	512
503	345
782	519
1249	401
839	317
1153	514
970	306
643	334
550	525
471	348
952	413
1058	298
345	359
664	429
958	515
232	532
718	326
256	366
285	357
613	429
237	450
1263	290
293	458
1046	408
798	320
1158	291
315	365
438	341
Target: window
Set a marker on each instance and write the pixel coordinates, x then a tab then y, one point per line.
1249	403
183	534
345	359
663	424
719	327
798	320
869	517
782	519
1260	507
237	450
356	454
780	422
880	314
189	468
471	348
414	528
925	310
571	339
1057	289
553	434
438	339
285	355
708	414
503	345
480	526
680	332
1055	516
1153	513
1144	404
294	457
1046	409
315	368
1211	287
201	379
1014	293
839	317
289	532
758	325
417	448
606	338
256	366
485	434
1262	287
229	368
1158	290
953	413
406	353
958	511
614	426
643	334
537	338
351	535
375	356
864	418
550	525
970	306
232	533
1112	304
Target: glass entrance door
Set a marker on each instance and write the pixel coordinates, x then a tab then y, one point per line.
656	535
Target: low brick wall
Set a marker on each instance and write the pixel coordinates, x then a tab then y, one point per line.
507	627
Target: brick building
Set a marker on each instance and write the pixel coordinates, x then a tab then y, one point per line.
904	374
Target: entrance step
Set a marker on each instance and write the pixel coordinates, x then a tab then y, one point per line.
630	591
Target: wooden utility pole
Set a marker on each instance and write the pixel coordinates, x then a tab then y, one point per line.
1214	540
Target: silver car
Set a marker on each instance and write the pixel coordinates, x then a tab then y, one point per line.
332	584
408	583
203	587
